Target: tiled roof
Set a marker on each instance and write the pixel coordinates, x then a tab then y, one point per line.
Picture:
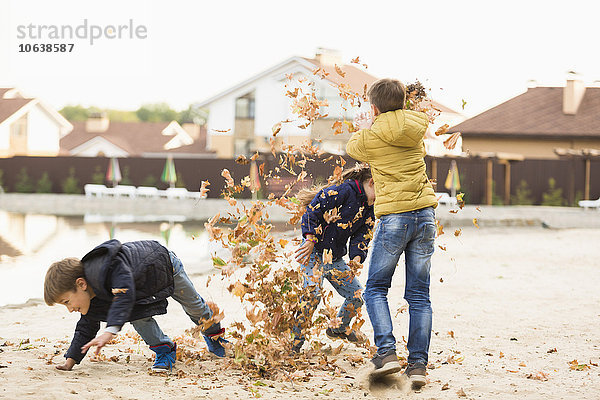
537	112
133	137
10	106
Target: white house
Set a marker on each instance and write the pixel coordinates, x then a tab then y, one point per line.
29	127
241	118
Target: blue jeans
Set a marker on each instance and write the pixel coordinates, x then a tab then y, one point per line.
186	295
413	233
343	282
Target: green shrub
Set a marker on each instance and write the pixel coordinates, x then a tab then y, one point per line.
180	183
496	200
44	184
24	183
98	176
71	184
150	180
553	197
522	196
125	179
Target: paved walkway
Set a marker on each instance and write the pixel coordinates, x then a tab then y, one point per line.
72	205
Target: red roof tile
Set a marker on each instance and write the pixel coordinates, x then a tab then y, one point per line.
537	112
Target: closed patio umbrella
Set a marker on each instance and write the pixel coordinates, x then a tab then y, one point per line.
169	175
452	180
113	174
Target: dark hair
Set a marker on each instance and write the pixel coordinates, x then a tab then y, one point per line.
387	95
360	172
60	279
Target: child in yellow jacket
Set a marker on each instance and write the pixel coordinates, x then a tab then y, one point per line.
392	143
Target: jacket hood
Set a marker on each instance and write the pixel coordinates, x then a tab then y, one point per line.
403	128
96	264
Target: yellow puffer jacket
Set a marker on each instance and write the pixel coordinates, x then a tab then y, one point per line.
394	149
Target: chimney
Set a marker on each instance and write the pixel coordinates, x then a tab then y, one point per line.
97	123
192	129
573	93
328	56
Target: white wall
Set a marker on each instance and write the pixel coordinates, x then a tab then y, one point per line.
43	132
4	137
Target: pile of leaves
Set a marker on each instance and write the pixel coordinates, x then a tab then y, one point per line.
261	270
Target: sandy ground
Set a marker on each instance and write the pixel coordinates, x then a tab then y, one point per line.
510	305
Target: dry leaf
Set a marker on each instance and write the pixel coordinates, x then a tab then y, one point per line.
451	142
442	130
461	393
475	222
117	291
457	232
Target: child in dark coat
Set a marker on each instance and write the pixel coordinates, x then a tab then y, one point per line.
335	215
127	282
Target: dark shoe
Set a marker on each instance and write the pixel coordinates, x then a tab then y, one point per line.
353	336
384	364
416	374
165	357
215	343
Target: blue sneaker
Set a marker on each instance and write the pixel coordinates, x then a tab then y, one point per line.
214	342
165	357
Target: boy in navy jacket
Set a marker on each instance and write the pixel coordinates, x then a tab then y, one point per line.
337	217
126	282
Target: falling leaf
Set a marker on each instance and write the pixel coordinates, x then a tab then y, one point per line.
475	222
218	262
464	103
221	131
332	192
442	130
283	242
117	291
442	247
522	364
203	188
461	393
227	175
451	142
451	334
276	128
552	350
446	386
241	159
327	256
457	232
339	71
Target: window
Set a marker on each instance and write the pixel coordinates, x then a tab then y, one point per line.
244	106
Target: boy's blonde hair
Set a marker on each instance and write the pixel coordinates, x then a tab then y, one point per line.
61	277
387	95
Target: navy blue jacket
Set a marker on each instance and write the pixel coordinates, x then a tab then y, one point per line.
143	268
356	220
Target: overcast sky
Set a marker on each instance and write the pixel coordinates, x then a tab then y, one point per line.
481	51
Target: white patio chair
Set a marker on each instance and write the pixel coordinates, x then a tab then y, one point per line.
444	198
146	191
176	193
124	191
91	190
590	204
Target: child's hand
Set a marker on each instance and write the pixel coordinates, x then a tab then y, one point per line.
304	251
67	366
363	120
99	342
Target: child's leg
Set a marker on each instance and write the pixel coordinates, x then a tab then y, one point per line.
388	244
313	283
185	294
418	263
341	278
149	330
